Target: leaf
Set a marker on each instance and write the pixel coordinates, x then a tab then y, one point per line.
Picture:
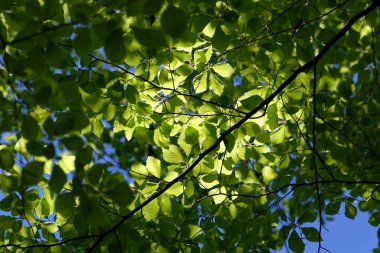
138	170
82	41
191	135
311	234
262	60
251	102
153	165
32	173
95	173
151	211
150	38
263	137
223	69
201	82
173	155
251	129
115	184
220	40
309	215
16	226
58	179
174	21
194	231
131	94
67	163
114	46
350	210
233	211
216	85
295	243
6	159
176	189
332	208
29	128
45	207
374	220
229	142
268	174
279	136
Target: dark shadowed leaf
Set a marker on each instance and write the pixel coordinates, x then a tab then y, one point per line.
174	21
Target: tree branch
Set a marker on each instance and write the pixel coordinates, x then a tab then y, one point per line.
287	82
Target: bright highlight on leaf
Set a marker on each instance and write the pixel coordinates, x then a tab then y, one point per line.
269	174
173	155
154	166
223	69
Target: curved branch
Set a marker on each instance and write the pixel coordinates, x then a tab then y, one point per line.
286	83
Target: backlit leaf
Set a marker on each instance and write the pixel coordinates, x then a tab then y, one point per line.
173	155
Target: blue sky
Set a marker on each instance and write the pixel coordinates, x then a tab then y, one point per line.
346	236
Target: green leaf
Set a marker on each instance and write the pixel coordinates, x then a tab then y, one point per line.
176	189
151	211
262	60
295	243
374	220
268	174
116	92
153	165
73	142
173	155
114	184
251	129
332	208
58	179
45	207
32	173
95	173
279	136
263	137
138	170
16	226
229	142
191	135
29	128
152	6
223	69
201	82
114	46
82	41
174	21
251	102
194	231
311	234
233	211
309	215
6	159
220	40
67	163
216	85
350	210
150	38
131	94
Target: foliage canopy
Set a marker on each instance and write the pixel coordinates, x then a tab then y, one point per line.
186	126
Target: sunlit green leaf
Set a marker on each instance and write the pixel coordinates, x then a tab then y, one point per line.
223	69
151	211
173	155
153	165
